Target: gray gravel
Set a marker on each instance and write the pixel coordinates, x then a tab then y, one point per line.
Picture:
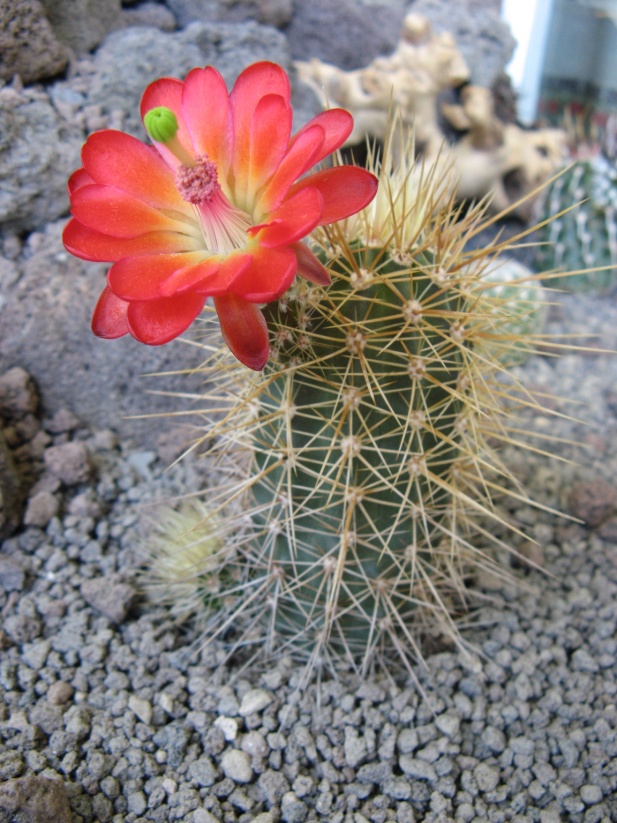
108	714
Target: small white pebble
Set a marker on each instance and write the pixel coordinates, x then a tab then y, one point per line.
141	708
169	785
228	726
166	702
237	766
255	700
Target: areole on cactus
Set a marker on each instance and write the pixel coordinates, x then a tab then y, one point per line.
355	471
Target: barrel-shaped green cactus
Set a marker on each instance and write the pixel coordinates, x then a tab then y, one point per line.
357	475
583	240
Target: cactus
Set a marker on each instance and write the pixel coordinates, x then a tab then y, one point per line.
357	476
583	240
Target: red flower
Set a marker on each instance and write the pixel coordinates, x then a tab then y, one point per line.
214	209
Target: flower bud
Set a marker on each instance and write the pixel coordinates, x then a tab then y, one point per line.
161	124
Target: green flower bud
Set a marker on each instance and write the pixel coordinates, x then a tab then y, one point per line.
161	124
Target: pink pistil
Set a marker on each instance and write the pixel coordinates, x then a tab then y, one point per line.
199	183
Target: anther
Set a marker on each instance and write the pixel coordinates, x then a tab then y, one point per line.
199	183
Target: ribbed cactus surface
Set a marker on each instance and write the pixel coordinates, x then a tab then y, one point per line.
357	443
586	236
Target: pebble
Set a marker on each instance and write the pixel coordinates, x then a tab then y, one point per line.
69	462
236	765
18	395
255	700
12	575
110	596
487	777
228	725
141	708
593	501
41	508
35	798
417	769
590	795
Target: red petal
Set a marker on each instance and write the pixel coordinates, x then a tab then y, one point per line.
190	278
337	125
111	211
159	321
345	190
270	274
206	109
113	158
300	156
244	329
269	140
167	92
139	278
109	317
78	179
232	267
93	245
309	266
292	221
254	83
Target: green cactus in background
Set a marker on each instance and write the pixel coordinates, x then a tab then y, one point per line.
356	480
585	237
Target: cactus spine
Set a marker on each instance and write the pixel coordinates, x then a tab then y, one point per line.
357	474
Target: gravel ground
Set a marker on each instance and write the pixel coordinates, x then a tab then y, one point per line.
108	714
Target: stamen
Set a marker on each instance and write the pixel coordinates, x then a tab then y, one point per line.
199	183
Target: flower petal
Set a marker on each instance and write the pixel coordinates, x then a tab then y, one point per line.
211	276
207	113
111	211
89	244
299	156
167	92
345	190
159	321
188	278
109	317
139	278
113	158
310	267
231	268
269	141
78	179
270	274
254	83
337	125
244	329
292	221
